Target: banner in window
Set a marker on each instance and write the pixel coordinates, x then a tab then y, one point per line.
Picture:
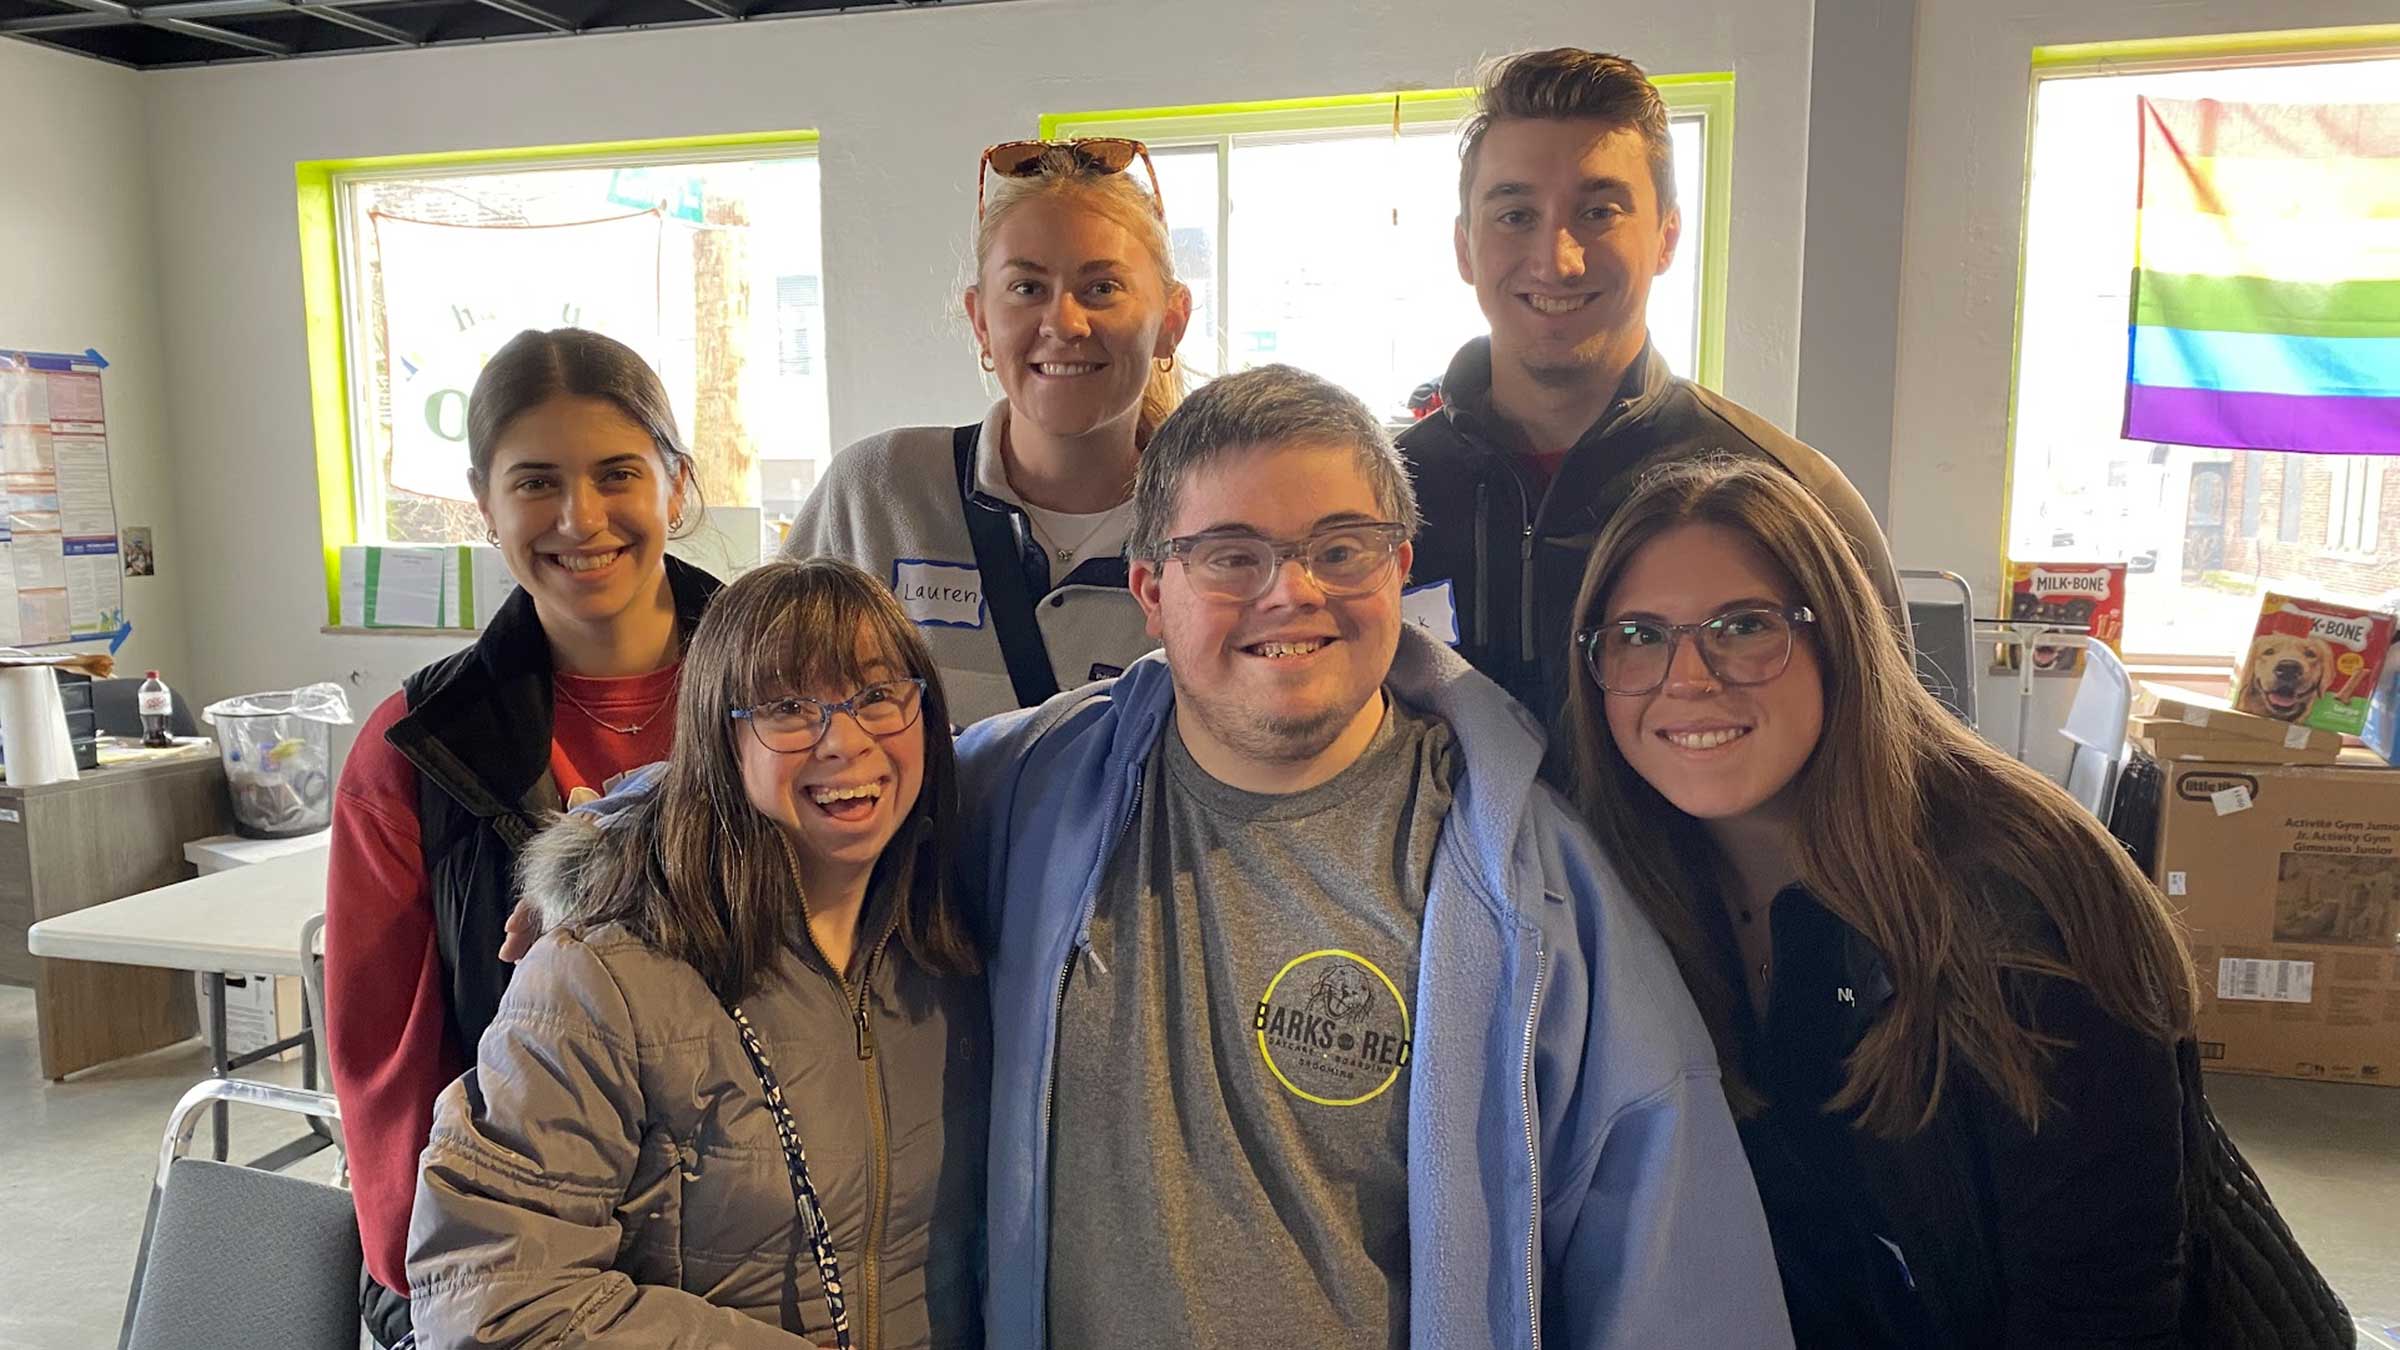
455	294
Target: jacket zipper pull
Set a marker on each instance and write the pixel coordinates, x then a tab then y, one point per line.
1525	647
866	1039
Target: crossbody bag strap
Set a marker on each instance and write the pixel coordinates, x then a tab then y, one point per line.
805	1205
1002	567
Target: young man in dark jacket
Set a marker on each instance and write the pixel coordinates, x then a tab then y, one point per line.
1566	213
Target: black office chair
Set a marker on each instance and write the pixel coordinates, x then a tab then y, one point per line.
118	704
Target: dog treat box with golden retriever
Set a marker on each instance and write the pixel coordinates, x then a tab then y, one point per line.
2313	663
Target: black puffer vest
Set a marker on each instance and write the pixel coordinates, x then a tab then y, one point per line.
478	731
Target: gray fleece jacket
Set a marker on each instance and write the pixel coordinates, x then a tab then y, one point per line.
608	1173
892	505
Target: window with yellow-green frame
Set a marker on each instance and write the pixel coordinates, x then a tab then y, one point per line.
1318	231
701	253
2205	533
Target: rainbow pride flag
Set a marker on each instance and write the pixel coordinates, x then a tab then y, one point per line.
2266	283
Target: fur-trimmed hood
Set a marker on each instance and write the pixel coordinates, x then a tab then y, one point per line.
572	864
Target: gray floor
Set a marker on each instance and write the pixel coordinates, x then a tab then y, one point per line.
75	1161
75	1164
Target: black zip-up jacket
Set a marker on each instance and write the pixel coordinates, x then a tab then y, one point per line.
1512	555
1975	1231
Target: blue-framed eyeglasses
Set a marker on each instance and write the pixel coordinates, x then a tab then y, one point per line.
788	726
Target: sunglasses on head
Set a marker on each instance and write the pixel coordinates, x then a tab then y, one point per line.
1097	155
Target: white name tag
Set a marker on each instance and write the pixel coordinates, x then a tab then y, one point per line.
1434	608
946	594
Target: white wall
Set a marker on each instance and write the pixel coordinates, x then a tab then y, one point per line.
905	101
1862	55
76	271
1966	193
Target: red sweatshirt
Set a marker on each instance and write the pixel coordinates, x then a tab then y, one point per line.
387	1023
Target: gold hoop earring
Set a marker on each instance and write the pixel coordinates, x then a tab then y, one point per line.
989	365
1164	364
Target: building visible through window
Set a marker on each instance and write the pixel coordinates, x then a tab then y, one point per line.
707	267
1322	238
2192	523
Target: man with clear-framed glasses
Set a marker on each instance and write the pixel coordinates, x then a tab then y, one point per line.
1317	1019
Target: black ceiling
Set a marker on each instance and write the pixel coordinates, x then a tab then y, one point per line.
204	32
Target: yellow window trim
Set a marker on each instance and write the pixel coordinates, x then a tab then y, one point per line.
2139	56
321	289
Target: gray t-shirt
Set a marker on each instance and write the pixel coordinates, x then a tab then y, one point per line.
1230	1131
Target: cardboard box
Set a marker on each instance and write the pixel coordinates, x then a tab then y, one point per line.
2313	663
259	1011
2168	739
2205	718
2288	878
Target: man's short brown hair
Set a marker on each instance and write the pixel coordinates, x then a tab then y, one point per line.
1568	84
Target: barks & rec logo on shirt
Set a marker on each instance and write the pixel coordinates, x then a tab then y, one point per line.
1333	1028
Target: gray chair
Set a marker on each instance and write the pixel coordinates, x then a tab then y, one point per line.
1943	625
312	991
235	1256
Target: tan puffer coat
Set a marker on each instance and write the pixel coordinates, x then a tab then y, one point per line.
609	1173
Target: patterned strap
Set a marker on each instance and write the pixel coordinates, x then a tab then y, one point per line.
804	1192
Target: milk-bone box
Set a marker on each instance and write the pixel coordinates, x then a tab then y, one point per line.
2313	663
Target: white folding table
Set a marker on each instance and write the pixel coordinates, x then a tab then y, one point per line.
247	920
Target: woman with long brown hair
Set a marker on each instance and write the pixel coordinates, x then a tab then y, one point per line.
582	479
735	1095
1949	1010
1005	539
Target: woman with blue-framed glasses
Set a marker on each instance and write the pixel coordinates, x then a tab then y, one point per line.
736	1093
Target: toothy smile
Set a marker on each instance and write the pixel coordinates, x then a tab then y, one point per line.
1284	651
1704	740
1553	304
586	562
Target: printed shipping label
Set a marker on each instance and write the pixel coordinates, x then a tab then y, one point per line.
946	594
2232	799
2266	981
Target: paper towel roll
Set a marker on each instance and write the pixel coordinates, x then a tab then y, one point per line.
33	727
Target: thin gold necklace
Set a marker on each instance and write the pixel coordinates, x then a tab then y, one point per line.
605	724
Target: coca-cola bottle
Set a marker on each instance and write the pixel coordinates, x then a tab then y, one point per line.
158	707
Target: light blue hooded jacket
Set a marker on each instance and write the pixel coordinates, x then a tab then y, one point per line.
1574	1178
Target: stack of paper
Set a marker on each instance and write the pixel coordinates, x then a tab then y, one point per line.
462	585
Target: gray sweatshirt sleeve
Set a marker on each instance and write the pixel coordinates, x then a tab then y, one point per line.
516	1230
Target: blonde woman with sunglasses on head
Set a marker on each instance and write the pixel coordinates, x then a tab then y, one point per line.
1005	540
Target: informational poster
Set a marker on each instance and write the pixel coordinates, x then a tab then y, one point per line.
60	576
